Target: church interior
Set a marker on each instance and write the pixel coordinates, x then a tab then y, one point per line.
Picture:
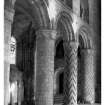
52	52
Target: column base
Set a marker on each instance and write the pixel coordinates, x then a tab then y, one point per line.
28	102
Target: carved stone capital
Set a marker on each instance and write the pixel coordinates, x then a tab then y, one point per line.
87	51
47	33
70	46
73	45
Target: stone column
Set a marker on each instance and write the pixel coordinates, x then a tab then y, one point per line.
45	43
88	75
70	75
56	83
76	7
94	11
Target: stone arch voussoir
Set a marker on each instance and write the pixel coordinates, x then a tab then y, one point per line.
66	20
85	41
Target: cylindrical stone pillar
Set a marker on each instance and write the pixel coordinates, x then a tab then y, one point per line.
45	43
94	11
88	72
70	74
56	83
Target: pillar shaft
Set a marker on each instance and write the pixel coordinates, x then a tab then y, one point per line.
88	83
45	44
27	66
70	75
56	83
94	11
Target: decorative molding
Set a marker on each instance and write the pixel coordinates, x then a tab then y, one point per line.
83	33
70	74
51	34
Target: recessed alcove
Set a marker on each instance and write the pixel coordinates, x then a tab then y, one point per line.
59	63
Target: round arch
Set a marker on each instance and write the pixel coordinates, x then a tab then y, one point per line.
83	38
40	14
66	20
42	5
